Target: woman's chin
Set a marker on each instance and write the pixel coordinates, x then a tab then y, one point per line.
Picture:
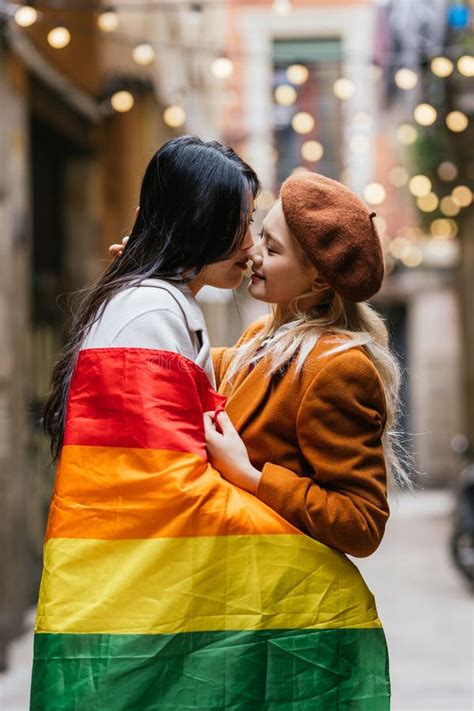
237	281
229	281
257	291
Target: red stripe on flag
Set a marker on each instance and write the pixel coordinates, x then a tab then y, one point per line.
141	398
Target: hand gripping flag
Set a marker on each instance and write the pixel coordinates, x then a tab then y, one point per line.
164	587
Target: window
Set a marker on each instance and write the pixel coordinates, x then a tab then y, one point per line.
315	97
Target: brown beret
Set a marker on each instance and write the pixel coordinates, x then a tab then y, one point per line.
336	231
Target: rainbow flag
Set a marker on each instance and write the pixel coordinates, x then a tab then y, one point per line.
164	587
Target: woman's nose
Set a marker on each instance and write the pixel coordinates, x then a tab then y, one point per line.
254	253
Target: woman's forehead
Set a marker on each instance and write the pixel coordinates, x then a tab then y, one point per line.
275	222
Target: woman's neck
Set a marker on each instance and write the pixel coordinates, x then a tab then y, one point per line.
195	285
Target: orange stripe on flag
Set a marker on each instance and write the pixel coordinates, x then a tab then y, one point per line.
114	493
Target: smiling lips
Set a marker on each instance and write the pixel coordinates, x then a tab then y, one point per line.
255	275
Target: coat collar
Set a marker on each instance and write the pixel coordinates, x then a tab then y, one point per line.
250	390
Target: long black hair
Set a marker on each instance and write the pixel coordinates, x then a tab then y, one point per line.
194	210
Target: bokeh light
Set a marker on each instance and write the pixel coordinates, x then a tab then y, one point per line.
108	21
222	68
174	116
412	257
407	134
285	95
297	73
282	7
343	88
399	246
398	176
428	203
457	121
302	122
419	185
425	114
312	151
442	66
26	16
143	54
374	193
465	65
462	196
443	228
447	171
448	207
406	78
122	101
59	37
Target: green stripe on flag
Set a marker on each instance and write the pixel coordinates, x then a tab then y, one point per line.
274	670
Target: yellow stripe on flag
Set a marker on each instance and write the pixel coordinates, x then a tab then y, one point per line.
171	585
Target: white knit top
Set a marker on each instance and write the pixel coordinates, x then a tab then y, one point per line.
156	314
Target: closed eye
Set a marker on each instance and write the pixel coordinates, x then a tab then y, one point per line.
262	235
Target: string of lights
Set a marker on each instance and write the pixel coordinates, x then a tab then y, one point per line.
222	66
145	52
145	6
280	7
108	21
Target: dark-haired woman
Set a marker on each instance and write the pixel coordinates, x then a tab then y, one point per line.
125	419
192	230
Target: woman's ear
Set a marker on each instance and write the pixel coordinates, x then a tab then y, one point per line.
319	285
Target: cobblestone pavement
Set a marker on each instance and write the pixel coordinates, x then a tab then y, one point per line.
426	609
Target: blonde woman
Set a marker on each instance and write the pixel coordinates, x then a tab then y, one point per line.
305	447
313	389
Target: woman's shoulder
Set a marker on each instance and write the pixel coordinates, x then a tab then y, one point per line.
148	296
144	316
337	355
344	381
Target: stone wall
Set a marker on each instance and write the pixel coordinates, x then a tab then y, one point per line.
15	235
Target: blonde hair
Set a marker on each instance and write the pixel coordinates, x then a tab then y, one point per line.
351	324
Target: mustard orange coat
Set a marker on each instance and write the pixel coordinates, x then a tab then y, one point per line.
317	439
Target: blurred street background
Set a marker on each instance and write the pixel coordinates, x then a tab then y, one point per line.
378	94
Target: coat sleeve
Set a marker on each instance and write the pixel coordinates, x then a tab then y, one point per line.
342	502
